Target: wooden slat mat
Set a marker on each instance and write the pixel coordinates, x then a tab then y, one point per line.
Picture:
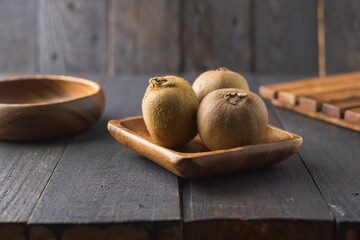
335	99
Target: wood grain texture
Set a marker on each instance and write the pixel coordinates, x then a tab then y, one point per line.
25	171
313	103
286	37
331	154
292	96
18	36
42	107
271	90
72	36
259	230
146	36
335	93
93	232
217	35
337	109
100	180
319	115
342	35
284	192
194	160
321	37
13	231
353	115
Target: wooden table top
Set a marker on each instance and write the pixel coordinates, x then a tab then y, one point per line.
91	187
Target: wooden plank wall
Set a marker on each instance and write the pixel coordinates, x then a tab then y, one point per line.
217	34
286	37
146	36
18	36
72	36
342	35
174	36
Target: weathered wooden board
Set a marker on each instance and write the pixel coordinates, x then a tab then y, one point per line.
98	180
342	35
130	231
331	155
146	36
245	204
216	35
25	171
72	36
18	36
286	37
26	168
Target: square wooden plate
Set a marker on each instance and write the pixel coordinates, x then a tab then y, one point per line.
195	160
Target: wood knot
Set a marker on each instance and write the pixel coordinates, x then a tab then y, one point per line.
234	98
71	6
160	82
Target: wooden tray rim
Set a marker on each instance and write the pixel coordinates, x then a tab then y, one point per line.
117	123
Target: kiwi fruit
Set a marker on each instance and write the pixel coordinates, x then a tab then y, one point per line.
231	117
217	79
169	109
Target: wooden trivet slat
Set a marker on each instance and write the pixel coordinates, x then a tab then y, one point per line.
334	99
353	115
314	103
270	91
338	108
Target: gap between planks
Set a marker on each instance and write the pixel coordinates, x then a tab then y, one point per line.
48	180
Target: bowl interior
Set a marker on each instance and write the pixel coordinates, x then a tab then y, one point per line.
46	90
137	126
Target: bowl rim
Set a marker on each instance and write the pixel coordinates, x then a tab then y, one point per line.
50	77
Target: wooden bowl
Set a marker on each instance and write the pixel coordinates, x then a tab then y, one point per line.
47	107
195	160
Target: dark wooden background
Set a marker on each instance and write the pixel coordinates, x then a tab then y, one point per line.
108	37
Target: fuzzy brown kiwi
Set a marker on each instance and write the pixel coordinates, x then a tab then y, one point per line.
169	109
217	79
231	117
